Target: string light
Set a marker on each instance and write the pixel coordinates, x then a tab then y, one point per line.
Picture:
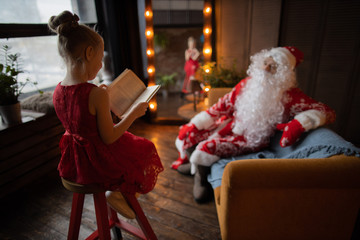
149	52
149	33
151	70
207	88
152	106
207	30
148	14
207	51
207	10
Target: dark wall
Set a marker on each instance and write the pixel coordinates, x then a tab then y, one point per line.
328	32
118	23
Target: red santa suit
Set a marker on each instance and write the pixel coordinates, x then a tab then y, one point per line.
230	127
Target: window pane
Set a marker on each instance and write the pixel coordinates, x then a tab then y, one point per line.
39	11
39	59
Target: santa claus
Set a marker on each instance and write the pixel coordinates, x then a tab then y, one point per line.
244	120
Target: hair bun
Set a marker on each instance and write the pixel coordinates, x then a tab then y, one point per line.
63	23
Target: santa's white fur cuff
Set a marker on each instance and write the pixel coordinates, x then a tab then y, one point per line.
180	147
311	119
199	157
202	120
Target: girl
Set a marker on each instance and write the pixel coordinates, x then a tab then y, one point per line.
191	64
94	150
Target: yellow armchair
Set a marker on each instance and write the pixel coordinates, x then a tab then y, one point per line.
290	199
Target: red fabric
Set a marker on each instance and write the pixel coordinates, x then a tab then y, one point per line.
190	68
230	144
179	162
299	55
291	132
86	159
186	130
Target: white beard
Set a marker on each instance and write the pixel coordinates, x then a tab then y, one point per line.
260	106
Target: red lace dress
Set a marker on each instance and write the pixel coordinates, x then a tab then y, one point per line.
130	164
190	69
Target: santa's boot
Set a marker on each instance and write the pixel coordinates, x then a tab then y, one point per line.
179	162
185	169
202	190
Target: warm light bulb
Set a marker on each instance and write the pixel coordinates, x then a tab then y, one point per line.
152	106
149	33
207	70
207	30
148	14
207	10
149	52
206	89
207	50
151	70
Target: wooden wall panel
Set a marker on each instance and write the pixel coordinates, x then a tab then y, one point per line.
265	24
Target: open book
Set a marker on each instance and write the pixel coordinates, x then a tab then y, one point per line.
128	90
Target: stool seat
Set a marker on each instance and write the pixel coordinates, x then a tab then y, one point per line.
114	199
117	201
80	188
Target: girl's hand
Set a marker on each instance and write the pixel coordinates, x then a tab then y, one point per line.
139	109
103	86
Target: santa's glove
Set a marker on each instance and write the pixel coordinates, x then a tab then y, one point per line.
291	132
186	129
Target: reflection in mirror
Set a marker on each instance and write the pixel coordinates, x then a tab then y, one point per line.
177	58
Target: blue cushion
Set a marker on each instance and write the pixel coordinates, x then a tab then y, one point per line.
318	143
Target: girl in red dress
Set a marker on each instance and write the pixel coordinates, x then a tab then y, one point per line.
191	64
94	150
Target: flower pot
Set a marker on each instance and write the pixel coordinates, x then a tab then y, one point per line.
216	93
11	114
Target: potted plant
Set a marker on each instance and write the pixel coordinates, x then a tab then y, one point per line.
10	87
161	41
165	80
219	79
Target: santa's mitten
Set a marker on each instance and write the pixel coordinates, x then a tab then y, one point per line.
291	132
186	129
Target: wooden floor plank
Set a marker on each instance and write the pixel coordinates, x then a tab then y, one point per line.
42	208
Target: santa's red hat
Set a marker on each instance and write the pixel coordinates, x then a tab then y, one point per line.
290	54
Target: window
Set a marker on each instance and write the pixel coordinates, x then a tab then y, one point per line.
23	27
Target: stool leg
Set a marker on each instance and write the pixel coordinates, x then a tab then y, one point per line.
140	217
102	219
115	229
75	218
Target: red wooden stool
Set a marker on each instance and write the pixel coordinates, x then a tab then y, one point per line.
105	219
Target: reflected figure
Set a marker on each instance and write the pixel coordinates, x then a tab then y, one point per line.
191	64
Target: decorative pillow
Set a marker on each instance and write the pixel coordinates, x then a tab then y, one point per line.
39	103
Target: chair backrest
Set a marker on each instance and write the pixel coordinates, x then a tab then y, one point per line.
290	198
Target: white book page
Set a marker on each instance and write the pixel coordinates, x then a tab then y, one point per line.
124	90
145	96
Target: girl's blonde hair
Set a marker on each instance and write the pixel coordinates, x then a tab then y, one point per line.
73	37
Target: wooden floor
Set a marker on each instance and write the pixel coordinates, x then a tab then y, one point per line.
42	210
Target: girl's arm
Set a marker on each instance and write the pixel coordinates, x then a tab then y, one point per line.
99	105
196	54
187	55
